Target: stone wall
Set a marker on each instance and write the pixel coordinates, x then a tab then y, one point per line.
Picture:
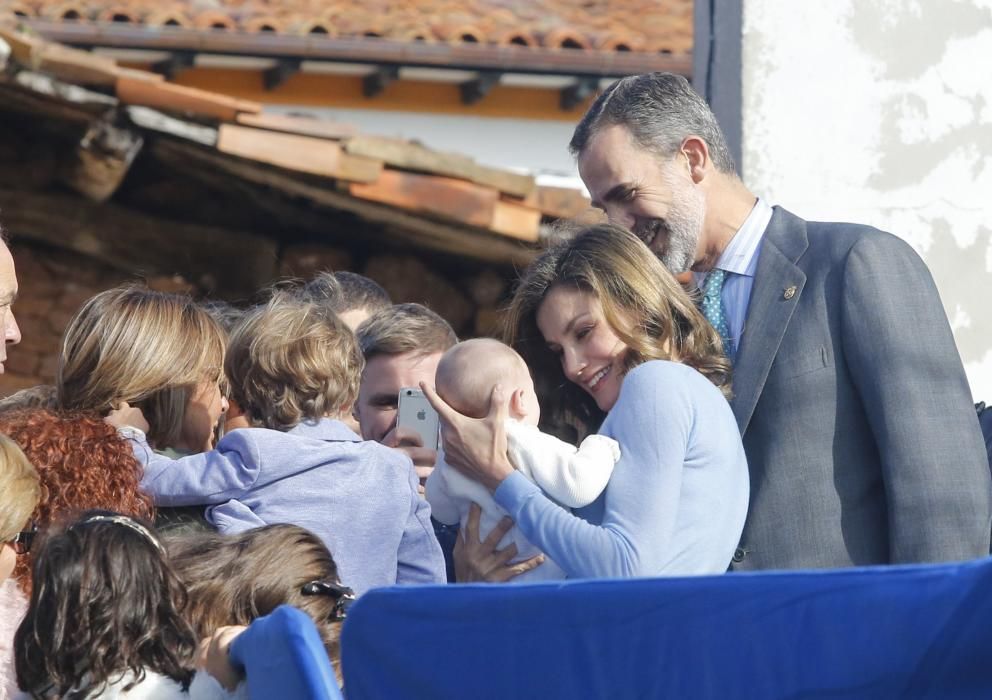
54	283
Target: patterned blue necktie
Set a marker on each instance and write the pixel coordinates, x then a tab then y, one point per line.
713	306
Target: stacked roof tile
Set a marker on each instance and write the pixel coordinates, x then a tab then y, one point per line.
650	26
456	204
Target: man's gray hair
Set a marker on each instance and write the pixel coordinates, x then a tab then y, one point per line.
660	110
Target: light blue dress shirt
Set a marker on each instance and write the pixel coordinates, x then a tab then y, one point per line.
740	260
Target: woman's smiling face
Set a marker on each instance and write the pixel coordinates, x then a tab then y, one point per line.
592	356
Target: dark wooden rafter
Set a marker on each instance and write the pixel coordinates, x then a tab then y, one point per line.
375	82
101	160
573	95
474	90
283	70
177	61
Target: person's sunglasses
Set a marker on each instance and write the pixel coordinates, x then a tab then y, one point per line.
22	541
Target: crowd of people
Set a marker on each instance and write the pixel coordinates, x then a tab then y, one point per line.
705	383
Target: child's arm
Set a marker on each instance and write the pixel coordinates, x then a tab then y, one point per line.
443	506
198	479
419	558
572	477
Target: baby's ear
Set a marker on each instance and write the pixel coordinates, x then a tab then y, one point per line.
518	407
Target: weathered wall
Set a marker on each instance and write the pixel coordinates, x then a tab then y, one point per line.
880	112
54	283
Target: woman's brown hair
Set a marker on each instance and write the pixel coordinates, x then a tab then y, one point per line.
233	579
150	349
105	602
642	302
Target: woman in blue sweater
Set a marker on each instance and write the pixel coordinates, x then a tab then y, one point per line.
615	343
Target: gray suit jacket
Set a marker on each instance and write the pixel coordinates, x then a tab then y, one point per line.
856	415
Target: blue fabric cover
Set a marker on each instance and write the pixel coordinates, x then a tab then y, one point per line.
283	657
911	631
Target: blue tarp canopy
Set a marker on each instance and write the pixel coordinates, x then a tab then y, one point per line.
912	631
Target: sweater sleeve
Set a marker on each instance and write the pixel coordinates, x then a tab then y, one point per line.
206	478
572	477
652	421
419	559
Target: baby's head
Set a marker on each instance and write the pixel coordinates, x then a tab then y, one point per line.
468	371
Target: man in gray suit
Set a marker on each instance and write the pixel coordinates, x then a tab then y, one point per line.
849	392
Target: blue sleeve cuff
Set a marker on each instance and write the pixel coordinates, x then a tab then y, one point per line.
514	490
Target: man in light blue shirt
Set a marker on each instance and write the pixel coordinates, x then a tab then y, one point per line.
849	393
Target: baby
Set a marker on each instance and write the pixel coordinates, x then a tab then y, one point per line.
573	477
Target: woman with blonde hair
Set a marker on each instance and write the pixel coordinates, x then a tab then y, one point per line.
159	352
19	493
615	345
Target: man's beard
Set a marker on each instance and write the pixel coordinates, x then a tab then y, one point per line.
674	239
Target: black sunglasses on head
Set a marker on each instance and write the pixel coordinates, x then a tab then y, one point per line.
22	541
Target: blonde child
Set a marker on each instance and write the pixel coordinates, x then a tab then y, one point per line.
294	369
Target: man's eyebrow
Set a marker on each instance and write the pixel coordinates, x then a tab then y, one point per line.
616	192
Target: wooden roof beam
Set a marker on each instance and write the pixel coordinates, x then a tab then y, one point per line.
576	93
474	90
176	62
375	82
283	70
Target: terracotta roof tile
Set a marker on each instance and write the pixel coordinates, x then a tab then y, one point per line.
608	25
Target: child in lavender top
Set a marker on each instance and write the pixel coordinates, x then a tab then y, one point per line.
294	369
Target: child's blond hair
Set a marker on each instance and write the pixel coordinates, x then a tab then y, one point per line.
290	361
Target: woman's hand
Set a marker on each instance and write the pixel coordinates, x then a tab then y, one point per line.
213	656
477	560
475	446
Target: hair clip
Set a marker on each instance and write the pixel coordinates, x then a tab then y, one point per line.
126	522
343	596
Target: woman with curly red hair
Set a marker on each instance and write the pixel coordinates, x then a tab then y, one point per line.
82	463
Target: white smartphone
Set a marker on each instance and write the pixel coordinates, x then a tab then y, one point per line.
415	412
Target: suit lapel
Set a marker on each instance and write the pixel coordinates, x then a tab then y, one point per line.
778	285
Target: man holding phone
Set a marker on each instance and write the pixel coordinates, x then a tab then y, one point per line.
402	346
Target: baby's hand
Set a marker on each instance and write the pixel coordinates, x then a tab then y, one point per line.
126	415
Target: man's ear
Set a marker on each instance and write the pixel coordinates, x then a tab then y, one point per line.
697	155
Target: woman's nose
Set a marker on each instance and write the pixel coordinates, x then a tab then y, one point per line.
573	366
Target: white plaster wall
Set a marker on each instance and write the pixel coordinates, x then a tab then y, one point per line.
880	112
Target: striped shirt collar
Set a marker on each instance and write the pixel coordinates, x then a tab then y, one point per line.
739	256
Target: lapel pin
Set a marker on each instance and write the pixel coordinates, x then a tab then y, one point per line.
789	292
